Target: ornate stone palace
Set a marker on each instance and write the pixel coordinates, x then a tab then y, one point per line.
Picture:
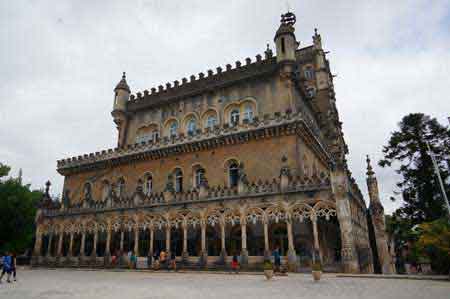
239	160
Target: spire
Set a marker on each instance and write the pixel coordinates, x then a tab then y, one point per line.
47	189
122	83
370	172
268	52
19	178
317	40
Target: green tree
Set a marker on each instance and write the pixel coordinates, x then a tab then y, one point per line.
4	170
434	242
407	152
17	210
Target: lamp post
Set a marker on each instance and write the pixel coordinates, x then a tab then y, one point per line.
438	174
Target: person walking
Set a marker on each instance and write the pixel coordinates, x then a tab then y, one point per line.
277	259
7	266
13	264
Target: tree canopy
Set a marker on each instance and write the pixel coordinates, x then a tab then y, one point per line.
407	152
17	210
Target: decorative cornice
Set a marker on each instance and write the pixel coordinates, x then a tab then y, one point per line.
270	126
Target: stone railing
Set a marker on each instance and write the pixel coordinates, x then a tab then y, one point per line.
285	184
202	139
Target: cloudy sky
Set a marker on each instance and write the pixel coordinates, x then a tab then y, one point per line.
60	60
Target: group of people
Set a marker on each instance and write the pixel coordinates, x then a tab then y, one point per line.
162	260
8	265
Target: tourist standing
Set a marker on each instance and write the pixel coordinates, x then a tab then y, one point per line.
277	259
162	258
235	264
173	261
7	265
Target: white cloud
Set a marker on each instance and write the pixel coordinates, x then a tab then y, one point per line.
60	61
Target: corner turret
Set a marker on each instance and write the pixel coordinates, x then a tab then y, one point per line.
285	41
119	113
376	212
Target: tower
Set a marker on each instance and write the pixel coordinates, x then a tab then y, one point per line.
285	41
376	212
119	113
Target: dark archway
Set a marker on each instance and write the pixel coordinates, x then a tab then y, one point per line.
176	240
278	237
213	240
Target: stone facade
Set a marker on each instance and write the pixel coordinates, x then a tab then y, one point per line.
242	160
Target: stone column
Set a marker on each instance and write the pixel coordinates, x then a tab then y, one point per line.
122	236
150	249
83	240
185	241
168	240
292	256
204	252
339	183
108	243
38	244
60	242
316	237
136	241
94	247
244	251
71	244
223	251
49	245
266	240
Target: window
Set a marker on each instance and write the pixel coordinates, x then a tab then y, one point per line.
105	190
120	187
234	116
211	121
283	47
148	187
145	136
173	129
309	73
155	136
248	112
199	176
178	180
87	190
233	172
191	126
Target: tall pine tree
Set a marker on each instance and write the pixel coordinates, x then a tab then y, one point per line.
407	152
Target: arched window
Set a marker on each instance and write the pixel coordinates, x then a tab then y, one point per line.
120	187
191	126
105	190
309	73
173	129
234	116
148	185
199	176
87	190
211	121
178	180
233	173
248	112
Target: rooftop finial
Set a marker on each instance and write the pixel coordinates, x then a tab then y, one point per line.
124	75
369	167
268	52
47	188
288	18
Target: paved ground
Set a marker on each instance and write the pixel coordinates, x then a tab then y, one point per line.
61	284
